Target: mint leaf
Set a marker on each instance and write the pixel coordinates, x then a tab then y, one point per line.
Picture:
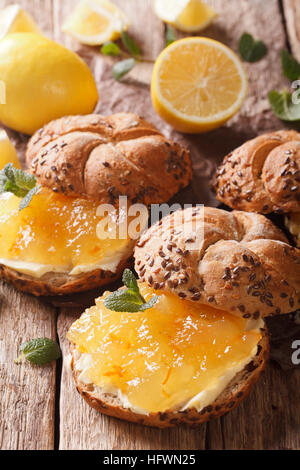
129	280
170	35
251	50
290	66
27	199
130	299
149	304
283	106
123	301
18	182
122	68
130	45
40	351
22	179
110	48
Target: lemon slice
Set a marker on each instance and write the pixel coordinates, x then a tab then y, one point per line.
8	152
94	22
197	84
13	19
186	15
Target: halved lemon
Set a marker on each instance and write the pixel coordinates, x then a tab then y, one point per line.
197	84
8	152
186	15
94	22
13	19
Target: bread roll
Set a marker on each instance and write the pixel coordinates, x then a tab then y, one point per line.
101	158
263	175
105	157
238	262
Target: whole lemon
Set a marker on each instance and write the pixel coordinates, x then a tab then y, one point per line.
43	81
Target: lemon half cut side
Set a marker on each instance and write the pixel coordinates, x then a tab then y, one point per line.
94	22
197	84
13	19
186	15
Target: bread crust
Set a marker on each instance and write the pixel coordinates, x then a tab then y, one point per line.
229	399
61	283
235	261
262	175
103	158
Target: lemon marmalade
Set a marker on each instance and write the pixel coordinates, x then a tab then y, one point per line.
165	356
54	230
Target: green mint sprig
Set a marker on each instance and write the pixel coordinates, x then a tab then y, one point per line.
283	107
130	56
18	182
281	102
130	45
251	50
290	66
170	35
39	351
129	299
120	69
110	48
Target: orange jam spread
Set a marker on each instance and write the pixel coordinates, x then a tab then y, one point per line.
163	357
54	230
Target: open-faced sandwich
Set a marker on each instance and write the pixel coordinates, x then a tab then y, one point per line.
186	341
263	175
52	246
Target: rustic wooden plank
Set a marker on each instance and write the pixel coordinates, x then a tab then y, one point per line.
291	10
27	405
27	392
270	417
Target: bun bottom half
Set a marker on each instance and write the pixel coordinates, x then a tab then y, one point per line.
52	284
234	393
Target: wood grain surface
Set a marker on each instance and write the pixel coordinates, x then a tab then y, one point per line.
270	417
27	392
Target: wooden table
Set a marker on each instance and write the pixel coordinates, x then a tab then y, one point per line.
40	408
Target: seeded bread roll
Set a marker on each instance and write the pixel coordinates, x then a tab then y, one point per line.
263	175
105	157
239	261
234	393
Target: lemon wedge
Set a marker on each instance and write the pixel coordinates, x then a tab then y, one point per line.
186	15
8	152
197	84
94	22
13	19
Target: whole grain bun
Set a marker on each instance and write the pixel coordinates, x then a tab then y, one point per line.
229	399
105	157
235	261
263	175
